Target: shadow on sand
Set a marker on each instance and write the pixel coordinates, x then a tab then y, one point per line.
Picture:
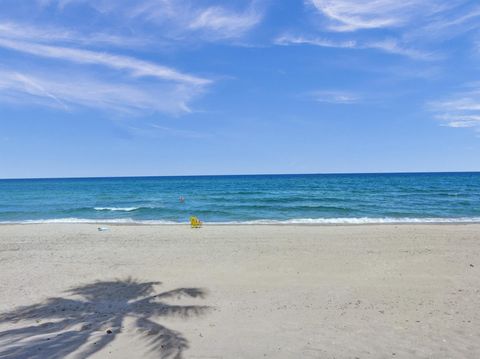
84	326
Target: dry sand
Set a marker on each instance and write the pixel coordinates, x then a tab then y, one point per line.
370	291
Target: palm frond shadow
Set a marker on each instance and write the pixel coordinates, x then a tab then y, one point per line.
84	326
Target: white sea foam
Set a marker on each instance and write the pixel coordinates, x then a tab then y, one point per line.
87	220
122	209
358	220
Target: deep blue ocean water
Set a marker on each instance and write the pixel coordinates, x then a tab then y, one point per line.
329	198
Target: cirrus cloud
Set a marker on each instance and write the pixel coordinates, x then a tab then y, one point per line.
65	92
352	15
460	109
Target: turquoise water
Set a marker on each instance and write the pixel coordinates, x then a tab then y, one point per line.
342	198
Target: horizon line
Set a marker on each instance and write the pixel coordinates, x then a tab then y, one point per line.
239	175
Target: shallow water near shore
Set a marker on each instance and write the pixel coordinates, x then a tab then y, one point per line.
334	198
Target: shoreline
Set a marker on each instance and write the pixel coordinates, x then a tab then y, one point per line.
217	224
347	221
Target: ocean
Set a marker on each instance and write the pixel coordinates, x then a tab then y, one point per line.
322	198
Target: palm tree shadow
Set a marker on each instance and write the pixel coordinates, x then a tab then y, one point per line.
84	326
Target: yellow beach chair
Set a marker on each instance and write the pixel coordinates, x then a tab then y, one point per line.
195	222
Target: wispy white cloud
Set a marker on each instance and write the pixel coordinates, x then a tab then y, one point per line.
335	97
212	22
322	42
461	109
387	45
414	28
183	18
55	34
352	15
130	84
394	47
449	25
225	23
136	67
67	93
16	81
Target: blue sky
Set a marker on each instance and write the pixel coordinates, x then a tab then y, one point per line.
180	87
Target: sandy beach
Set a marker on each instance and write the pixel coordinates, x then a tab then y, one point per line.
368	291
